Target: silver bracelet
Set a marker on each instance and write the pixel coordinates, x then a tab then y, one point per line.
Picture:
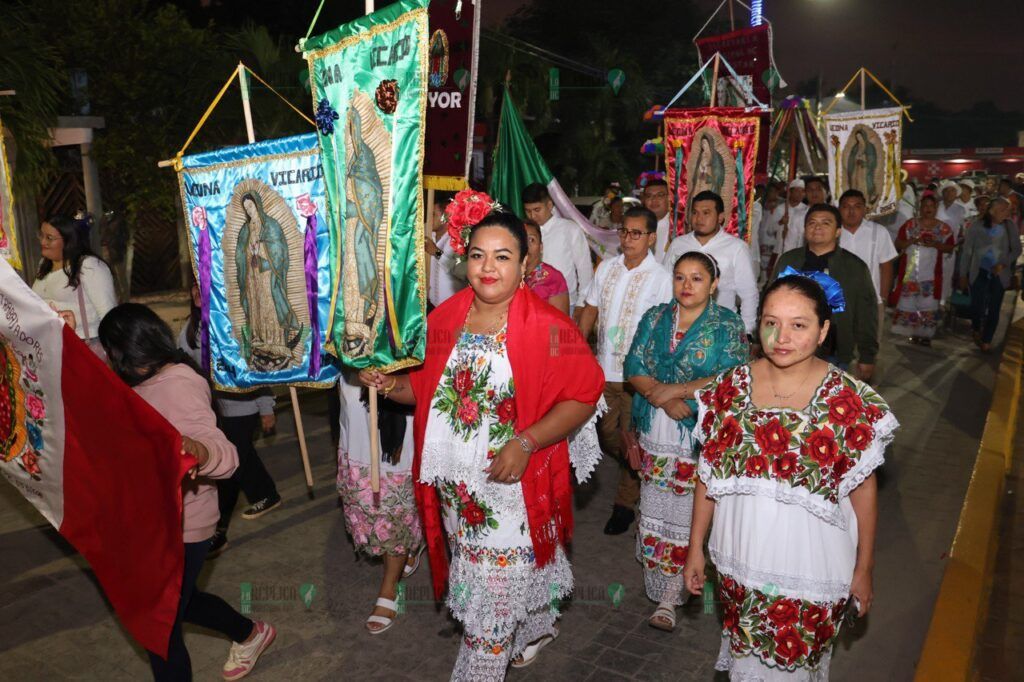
526	445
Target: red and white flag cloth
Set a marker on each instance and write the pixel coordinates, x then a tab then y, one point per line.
94	458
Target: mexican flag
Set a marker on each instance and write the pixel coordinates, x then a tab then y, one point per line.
518	163
94	458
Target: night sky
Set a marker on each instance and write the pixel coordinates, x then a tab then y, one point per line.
950	52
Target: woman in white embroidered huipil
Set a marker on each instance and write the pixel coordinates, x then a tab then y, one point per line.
786	482
505	380
677	348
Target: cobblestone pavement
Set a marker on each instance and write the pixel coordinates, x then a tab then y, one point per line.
55	623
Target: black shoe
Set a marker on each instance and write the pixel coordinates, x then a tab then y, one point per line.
620	520
261	507
218	543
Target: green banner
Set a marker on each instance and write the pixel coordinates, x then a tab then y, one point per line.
369	85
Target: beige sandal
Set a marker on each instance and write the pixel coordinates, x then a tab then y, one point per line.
664	612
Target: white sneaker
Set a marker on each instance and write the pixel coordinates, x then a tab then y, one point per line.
242	657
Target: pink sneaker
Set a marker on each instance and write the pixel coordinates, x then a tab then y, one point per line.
242	657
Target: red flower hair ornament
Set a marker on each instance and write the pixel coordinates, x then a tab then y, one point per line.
464	211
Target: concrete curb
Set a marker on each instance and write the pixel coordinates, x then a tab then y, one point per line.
962	604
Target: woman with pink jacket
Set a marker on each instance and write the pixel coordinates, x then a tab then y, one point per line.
142	351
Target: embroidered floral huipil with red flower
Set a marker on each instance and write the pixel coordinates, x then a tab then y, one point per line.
808	457
783	537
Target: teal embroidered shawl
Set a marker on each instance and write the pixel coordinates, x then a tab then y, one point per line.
716	341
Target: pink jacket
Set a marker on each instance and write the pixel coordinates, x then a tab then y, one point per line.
183	398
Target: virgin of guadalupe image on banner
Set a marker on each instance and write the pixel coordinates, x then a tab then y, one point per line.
865	153
369	85
717	149
259	237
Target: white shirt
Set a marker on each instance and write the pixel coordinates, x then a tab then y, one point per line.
787	239
661	245
873	245
953	215
443	284
970	210
736	281
621	297
767	229
905	210
98	294
757	214
566	250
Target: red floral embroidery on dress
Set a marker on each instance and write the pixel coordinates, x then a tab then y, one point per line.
812	449
668	473
730	434
845	407
476	517
772	438
821	447
658	553
724	394
782	631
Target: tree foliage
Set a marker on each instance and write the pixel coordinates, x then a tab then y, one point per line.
150	76
590	136
32	67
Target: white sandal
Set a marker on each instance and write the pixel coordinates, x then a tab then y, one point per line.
529	655
383	621
408	570
667	612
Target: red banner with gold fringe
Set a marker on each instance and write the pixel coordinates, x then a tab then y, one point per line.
718	149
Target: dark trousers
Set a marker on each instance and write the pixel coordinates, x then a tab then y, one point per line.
199	608
986	302
619	396
251	476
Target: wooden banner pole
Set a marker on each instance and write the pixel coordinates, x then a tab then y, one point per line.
862	89
714	79
243	82
374	447
301	433
374	427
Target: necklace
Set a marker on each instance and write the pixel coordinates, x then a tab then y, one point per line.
781	396
494	328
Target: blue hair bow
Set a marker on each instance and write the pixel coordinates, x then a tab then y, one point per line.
833	290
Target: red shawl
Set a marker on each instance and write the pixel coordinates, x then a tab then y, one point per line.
551	363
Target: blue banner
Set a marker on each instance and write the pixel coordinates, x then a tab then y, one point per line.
257	226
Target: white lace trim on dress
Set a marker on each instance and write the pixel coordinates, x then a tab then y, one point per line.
751	668
458	462
665	510
872	457
584	448
491	596
795	586
681	447
774	490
